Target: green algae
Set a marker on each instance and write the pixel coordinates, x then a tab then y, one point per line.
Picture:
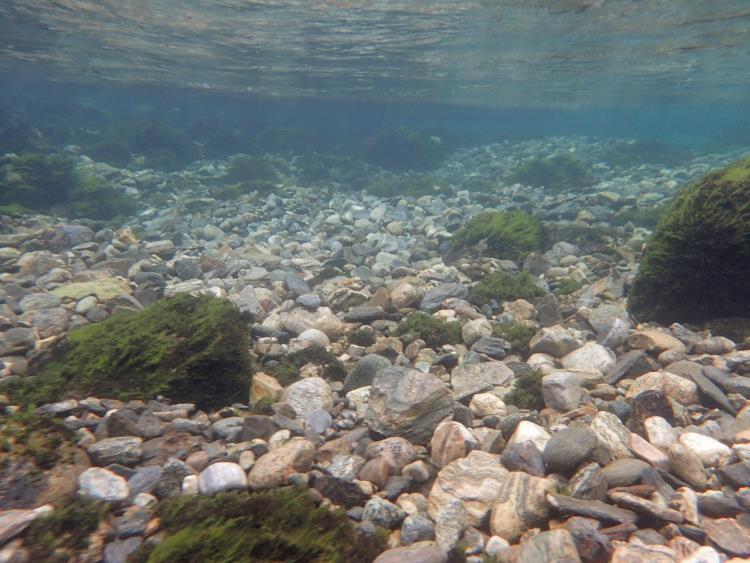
279	525
555	174
58	536
518	334
401	149
287	370
696	266
526	392
190	349
508	235
505	286
39	438
435	332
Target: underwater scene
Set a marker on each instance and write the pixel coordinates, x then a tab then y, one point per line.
392	281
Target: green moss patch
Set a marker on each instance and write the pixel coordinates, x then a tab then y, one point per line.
58	536
191	349
435	332
646	217
527	391
280	525
402	149
286	371
505	286
555	174
518	334
697	264
38	438
508	235
249	168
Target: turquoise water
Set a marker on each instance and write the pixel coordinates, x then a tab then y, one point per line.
477	70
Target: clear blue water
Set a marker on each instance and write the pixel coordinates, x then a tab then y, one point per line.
341	70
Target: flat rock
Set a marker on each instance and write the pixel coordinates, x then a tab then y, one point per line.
628	361
612	433
654	341
474	480
624	471
13	522
103	289
645	507
591	509
709	450
728	536
414	554
433	299
681	389
408	403
125	450
468	379
521	504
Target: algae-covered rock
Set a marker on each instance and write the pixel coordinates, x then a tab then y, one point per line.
697	264
103	289
507	235
556	174
190	349
279	525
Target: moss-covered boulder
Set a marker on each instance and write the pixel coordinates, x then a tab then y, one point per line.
508	235
280	525
697	265
555	174
189	349
35	181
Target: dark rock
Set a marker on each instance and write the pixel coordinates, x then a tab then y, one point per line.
645	507
433	299
548	311
132	523
170	483
524	457
462	414
651	403
346	493
588	483
591	509
650	536
414	554
717	505
145	480
593	546
624	471
555	545
257	426
364	314
569	448
417	528
395	486
632	364
708	388
364	371
296	285
150	426
736	475
495	348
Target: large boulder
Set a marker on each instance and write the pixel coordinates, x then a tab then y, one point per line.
697	264
408	403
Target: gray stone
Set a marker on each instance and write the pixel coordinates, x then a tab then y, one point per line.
554	545
118	551
248	304
308	395
561	390
17	341
416	528
467	379
495	348
364	314
553	340
296	285
708	388
102	484
346	467
13	522
414	554
174	472
524	456
433	299
589	357
227	428
222	476
409	403
383	513
145	480
125	450
319	420
568	448
37	301
450	524
315	337
363	372
591	509
624	472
